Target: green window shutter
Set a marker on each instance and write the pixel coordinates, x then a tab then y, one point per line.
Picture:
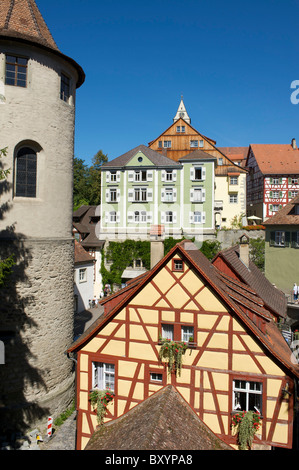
280	194
270	207
272	238
280	180
290	180
271	194
271	180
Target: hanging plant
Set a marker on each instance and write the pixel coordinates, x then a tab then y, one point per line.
100	399
247	424
173	352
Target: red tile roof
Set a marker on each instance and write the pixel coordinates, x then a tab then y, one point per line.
81	256
164	421
237	301
22	18
286	215
276	159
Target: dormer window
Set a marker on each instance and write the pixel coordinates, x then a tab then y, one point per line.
16	71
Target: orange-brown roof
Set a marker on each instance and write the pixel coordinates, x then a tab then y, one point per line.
22	18
81	256
286	215
236	299
276	159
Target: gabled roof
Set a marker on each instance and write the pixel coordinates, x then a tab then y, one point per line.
236	154
252	276
236	302
164	421
21	20
197	155
182	121
83	226
156	158
286	215
276	159
81	256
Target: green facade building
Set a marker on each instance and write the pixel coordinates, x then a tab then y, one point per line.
143	188
282	247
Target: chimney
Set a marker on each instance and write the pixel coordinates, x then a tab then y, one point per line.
294	146
157	244
244	249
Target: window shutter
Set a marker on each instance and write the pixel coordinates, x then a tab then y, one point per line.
149	217
131	195
174	218
163	175
174	175
192	173
107	195
290	193
118	176
191	217
118	217
203	217
107	176
131	176
149	176
280	180
271	194
203	173
290	180
107	217
191	195
174	194
270	207
280	194
130	216
149	195
203	194
162	195
163	217
271	180
118	195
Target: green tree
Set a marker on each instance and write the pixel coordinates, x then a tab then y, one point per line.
257	252
6	264
95	177
210	248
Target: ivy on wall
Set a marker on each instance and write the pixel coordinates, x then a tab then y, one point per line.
120	255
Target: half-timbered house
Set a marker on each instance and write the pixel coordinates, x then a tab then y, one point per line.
272	179
236	358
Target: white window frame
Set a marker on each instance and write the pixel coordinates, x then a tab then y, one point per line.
103	376
82	275
156	377
280	238
140	194
187	332
275	194
233	180
248	390
139	175
197	218
233	198
193	143
167	144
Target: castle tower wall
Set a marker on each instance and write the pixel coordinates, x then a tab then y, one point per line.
37	303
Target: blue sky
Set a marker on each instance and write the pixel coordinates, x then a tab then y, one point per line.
232	61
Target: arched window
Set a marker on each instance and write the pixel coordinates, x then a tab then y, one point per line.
26	164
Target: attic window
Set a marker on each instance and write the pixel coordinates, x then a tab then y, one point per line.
155	377
177	265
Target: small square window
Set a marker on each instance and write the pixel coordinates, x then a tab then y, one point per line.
155	377
167	332
82	275
178	265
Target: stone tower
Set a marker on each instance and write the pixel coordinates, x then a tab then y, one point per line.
37	116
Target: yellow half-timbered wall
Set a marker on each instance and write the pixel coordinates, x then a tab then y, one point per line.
224	351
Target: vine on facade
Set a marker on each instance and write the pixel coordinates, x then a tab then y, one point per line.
246	424
100	399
